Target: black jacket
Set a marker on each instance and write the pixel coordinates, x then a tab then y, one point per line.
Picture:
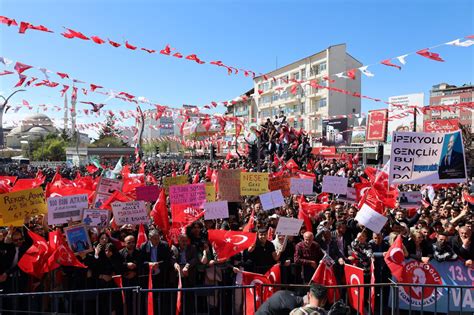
280	303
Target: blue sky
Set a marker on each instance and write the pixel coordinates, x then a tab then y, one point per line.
248	34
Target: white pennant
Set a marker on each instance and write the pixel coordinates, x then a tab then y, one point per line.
6	61
402	59
341	75
366	72
458	43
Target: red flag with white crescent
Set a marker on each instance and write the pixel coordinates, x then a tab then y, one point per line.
228	243
355	277
395	257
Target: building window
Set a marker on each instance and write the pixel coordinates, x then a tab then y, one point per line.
322	102
303	74
266	86
322	67
295	75
466	100
275	97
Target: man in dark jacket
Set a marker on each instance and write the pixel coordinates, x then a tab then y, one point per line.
157	254
441	249
280	303
462	245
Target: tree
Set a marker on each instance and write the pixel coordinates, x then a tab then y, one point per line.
52	148
109	142
109	129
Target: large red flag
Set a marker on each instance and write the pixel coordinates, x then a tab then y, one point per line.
160	213
141	239
394	258
8	180
291	165
116	196
250	224
324	275
35	260
61	254
228	243
467	197
253	297
355	277
274	277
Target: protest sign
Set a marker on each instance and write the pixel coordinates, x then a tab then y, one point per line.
288	226
16	206
335	185
370	218
216	210
131	212
78	239
280	183
105	189
210	192
431	299
350	196
301	186
148	193
95	217
63	209
408	199
229	185
253	184
426	158
174	181
193	195
271	200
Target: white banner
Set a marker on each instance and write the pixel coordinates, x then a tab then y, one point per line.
300	186
63	209
426	158
271	200
335	185
370	218
96	217
288	226
216	210
131	212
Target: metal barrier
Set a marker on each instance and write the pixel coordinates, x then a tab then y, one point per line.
230	300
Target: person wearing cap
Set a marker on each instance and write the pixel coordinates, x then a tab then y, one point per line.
262	255
317	297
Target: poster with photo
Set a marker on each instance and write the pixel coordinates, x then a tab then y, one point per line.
78	239
335	132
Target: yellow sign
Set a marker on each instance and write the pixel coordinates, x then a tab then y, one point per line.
16	206
253	184
210	192
174	181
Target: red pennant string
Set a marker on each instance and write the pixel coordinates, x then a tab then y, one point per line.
97	40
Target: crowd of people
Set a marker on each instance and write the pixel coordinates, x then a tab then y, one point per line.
440	229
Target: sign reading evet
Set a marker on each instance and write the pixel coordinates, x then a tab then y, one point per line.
18	205
132	212
253	184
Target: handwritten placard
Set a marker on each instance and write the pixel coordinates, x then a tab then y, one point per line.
148	193
280	183
131	212
193	195
301	186
16	206
335	185
288	226
174	181
229	185
96	217
63	209
216	210
210	192
272	200
107	186
253	184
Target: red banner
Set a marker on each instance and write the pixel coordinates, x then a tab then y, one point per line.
441	125
377	125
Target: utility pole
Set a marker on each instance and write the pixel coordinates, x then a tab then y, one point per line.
4	108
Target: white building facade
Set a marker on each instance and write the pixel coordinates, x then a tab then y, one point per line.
309	106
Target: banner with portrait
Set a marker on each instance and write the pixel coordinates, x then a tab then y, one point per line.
335	132
427	158
430	298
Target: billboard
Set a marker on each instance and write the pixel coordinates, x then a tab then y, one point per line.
358	135
403	119
377	125
335	132
441	125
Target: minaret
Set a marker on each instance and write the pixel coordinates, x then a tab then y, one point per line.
73	115
66	110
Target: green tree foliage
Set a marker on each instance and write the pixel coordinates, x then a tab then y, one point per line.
109	129
108	142
51	148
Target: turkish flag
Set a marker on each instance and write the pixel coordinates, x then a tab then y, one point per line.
274	277
250	224
291	164
91	169
183	215
253	297
196	179
35	260
467	197
61	254
130	183
116	196
361	190
97	40
55	191
28	183
151	179
228	243
25	25
395	258
8	180
21	67
141	239
324	275
430	55
355	276
74	34
160	213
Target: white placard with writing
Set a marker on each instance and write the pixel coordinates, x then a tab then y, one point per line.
370	218
335	185
96	217
216	210
272	200
288	226
63	209
300	186
131	212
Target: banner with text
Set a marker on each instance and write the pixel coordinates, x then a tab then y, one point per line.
193	195
426	158
216	210
335	185
131	212
228	185
16	206
253	184
63	209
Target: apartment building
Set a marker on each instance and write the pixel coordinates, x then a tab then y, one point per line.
309	106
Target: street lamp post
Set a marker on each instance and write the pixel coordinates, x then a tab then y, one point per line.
4	108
